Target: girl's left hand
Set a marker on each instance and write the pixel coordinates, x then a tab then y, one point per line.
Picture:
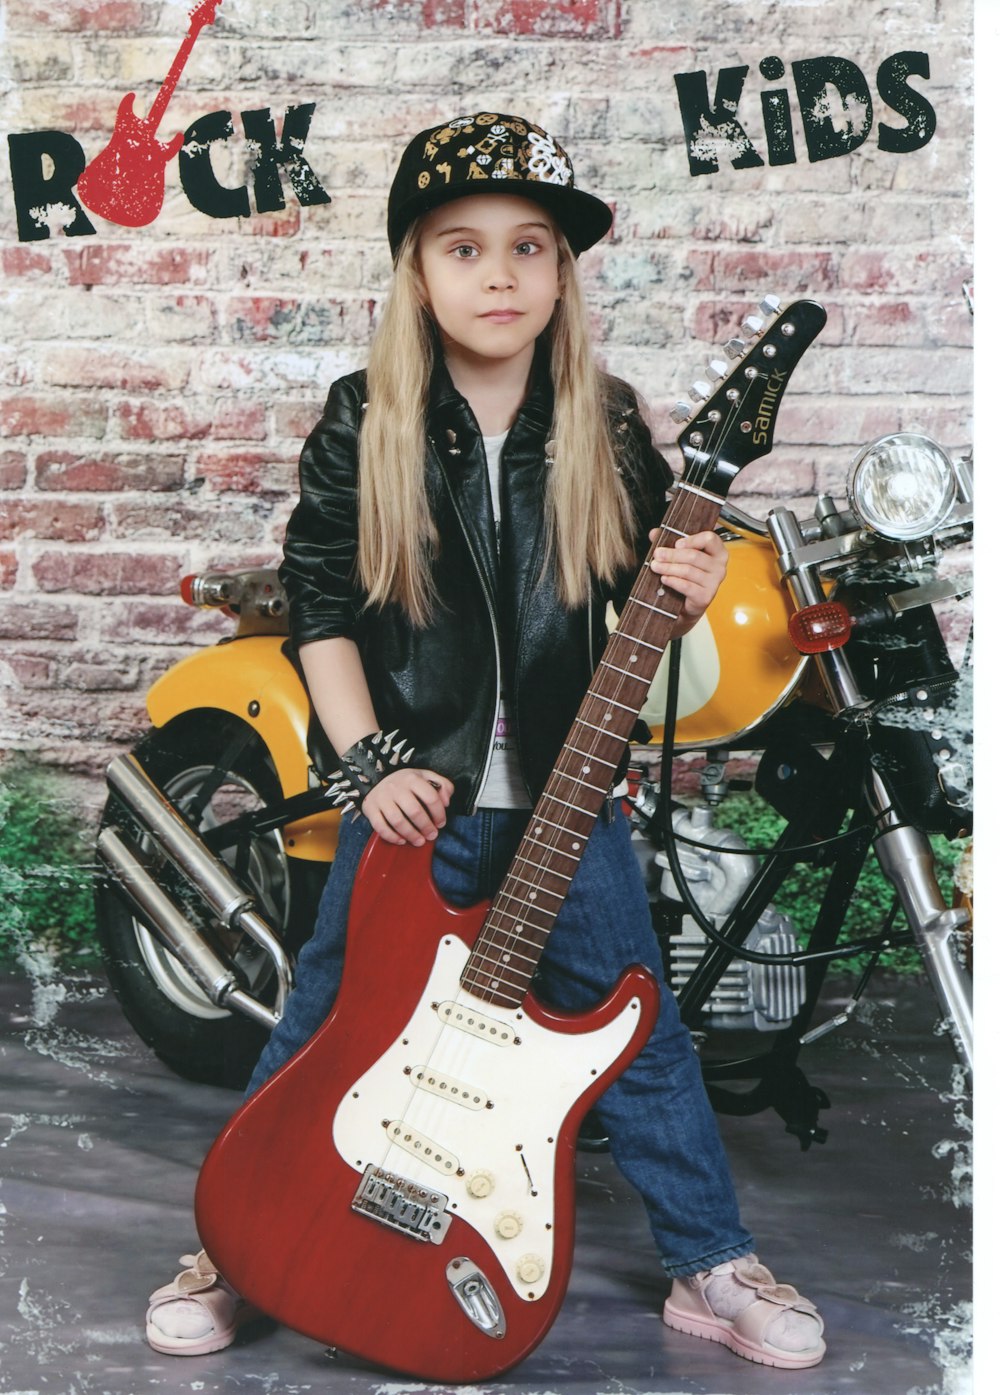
694	567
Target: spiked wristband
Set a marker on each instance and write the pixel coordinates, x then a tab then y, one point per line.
365	763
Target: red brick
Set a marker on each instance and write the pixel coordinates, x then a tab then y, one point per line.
239	420
98	367
205	521
245	472
761	270
30	670
38	620
95	678
122	264
581	19
107	573
292	320
167	622
44	518
69	470
73	15
153	421
52	415
295	420
26	261
8	567
13	470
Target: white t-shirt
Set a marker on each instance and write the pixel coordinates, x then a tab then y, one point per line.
504	787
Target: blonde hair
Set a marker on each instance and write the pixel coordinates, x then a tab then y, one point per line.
588	515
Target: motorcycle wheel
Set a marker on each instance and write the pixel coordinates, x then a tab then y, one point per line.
170	1012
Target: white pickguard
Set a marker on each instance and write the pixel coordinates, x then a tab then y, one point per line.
502	1136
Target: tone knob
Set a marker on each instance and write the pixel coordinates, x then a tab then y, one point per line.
530	1268
480	1184
508	1224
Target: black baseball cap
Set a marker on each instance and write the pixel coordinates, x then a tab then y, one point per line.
490	153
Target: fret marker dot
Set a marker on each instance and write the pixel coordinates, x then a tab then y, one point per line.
538	828
607	716
586	770
532	895
575	847
634	659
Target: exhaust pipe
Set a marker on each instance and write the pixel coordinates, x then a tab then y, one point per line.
229	902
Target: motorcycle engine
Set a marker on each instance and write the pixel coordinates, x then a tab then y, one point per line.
718	868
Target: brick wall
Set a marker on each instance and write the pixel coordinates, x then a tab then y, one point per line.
156	382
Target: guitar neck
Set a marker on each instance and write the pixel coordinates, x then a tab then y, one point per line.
162	98
507	950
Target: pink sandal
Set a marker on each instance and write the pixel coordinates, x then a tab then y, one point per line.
688	1310
225	1311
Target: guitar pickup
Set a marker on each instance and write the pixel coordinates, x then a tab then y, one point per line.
402	1205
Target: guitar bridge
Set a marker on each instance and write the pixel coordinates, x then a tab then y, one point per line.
404	1206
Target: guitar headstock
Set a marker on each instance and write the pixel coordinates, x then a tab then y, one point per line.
733	422
203	13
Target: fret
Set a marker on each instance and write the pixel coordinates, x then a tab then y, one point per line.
538	818
522	922
575	779
629	707
628	672
702	493
603	730
623	633
590	756
496	971
558	851
541	867
530	901
566	803
509	952
669	614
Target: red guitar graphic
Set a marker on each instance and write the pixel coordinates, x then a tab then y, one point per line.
402	1188
125	182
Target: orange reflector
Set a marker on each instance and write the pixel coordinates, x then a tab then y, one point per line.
819	628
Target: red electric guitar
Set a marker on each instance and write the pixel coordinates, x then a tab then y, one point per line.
125	183
402	1188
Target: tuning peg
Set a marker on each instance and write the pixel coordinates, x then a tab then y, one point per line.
751	326
681	411
770	305
717	369
701	390
733	348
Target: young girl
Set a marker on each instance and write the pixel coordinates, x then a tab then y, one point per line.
468	507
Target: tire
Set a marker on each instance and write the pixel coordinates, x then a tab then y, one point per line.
167	1008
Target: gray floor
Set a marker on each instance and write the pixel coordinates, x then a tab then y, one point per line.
100	1147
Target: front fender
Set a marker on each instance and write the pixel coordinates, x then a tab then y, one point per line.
253	680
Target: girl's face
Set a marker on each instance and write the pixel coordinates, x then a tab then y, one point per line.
490	273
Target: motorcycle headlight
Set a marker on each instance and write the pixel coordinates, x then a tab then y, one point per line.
902	486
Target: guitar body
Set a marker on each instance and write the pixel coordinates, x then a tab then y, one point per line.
456	1118
125	183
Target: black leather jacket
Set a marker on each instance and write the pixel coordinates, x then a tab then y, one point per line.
439	685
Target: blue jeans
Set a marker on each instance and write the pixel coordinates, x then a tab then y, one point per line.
662	1131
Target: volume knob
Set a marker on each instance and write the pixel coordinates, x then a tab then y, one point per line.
530	1268
508	1224
480	1184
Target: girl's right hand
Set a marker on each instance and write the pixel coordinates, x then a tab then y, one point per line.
408	806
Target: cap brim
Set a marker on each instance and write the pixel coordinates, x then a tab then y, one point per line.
583	218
